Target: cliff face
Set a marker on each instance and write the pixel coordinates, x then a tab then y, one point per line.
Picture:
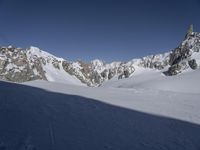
186	55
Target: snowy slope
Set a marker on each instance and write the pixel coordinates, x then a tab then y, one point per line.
52	73
47	115
149	92
21	65
151	103
188	82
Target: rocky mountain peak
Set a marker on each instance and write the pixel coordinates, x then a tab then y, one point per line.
186	55
190	30
20	65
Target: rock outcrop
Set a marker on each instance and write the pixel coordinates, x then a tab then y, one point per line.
181	58
21	65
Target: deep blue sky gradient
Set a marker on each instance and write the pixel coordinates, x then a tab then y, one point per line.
104	29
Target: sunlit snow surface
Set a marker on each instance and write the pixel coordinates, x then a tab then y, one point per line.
147	111
53	74
147	91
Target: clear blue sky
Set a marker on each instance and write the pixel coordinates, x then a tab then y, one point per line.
104	29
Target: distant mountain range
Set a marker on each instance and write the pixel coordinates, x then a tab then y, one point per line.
21	65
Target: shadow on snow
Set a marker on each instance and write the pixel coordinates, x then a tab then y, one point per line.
35	119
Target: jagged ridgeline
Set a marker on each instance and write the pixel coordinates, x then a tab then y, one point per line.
21	65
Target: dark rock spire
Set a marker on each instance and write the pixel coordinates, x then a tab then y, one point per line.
190	31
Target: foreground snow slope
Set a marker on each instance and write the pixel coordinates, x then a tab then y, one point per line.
150	92
124	115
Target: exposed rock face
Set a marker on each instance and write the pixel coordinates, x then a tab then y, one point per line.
155	61
193	64
78	69
96	72
14	65
180	58
126	72
190	31
20	65
173	70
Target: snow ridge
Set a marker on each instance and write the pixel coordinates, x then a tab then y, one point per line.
19	65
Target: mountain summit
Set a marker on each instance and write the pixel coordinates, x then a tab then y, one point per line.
21	65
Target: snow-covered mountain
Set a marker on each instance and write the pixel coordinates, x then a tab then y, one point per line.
150	103
19	65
